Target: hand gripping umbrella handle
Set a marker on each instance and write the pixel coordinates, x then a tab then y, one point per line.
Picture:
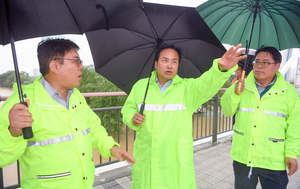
27	131
245	66
240	84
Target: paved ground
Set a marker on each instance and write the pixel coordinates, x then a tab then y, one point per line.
213	168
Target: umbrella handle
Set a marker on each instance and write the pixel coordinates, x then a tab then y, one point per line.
27	131
240	84
142	108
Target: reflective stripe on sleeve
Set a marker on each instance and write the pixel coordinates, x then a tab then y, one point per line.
274	113
50	141
245	109
53	176
87	131
161	108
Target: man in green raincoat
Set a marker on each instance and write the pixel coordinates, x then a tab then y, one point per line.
65	129
163	148
266	138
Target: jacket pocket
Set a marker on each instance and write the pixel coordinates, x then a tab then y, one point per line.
275	149
57	180
237	132
237	141
276	140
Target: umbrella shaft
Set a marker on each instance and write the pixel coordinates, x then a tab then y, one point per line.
12	42
254	17
27	131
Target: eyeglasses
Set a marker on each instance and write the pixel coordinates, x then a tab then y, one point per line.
77	60
263	64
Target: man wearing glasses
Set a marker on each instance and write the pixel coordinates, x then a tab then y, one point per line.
266	136
65	129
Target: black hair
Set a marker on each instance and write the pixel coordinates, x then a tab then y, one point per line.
157	53
272	50
53	48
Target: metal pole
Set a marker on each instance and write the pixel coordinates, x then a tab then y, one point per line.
1	179
215	119
27	131
19	174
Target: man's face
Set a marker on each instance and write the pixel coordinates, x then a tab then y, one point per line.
265	75
70	71
167	65
238	72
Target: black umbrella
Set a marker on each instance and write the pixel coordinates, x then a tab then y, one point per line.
125	53
21	19
38	18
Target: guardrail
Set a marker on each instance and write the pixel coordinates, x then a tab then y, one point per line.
208	121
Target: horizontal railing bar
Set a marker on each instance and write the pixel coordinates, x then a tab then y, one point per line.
107	109
3	98
106	163
104	94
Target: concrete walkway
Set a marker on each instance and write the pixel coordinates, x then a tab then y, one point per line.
213	168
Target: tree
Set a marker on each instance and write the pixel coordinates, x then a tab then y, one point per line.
3	78
8	78
94	82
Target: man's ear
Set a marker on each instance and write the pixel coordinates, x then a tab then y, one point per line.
278	66
53	66
155	64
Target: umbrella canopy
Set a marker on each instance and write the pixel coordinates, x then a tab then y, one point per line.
35	18
125	53
275	23
38	18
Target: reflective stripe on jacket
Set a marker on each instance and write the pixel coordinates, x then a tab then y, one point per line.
60	154
266	130
163	148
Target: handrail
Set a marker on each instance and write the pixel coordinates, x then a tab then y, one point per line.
101	94
3	98
104	94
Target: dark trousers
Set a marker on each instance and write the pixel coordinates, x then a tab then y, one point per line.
269	179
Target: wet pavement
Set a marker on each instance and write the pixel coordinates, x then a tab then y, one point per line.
213	169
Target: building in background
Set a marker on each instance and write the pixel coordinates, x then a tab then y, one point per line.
36	72
290	67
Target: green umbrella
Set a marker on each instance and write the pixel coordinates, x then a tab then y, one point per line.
254	22
261	22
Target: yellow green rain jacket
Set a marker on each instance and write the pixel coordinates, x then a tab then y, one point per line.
60	154
163	147
266	130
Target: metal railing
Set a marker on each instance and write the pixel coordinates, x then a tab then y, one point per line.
208	121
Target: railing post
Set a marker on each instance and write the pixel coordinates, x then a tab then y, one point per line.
1	179
215	119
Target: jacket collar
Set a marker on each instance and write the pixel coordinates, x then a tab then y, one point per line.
278	85
176	79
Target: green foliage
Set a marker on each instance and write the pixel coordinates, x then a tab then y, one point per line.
8	78
94	82
227	84
208	106
232	77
